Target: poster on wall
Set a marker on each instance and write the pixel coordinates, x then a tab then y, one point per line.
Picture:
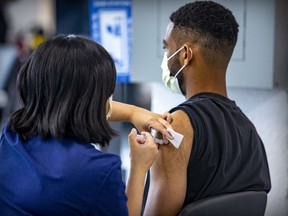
111	26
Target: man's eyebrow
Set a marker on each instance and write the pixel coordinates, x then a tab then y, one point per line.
164	42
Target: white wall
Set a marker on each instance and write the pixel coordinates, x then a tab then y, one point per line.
252	62
26	14
256	69
260	59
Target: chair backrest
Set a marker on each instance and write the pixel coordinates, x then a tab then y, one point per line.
248	203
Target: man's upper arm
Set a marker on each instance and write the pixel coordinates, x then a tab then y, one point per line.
168	179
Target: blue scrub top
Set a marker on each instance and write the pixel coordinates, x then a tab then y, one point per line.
58	177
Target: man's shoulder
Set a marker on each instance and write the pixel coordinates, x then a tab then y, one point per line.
190	103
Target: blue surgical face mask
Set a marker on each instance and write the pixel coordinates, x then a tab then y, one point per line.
171	82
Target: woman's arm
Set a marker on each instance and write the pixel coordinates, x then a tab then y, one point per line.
143	151
143	119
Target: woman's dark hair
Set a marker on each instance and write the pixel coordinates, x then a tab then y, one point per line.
64	87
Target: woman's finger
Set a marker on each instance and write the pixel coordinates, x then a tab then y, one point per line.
132	135
167	116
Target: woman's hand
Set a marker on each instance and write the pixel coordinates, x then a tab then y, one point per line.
143	150
145	120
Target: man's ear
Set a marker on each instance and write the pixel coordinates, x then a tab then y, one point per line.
188	54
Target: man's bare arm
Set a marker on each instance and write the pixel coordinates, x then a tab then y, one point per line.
168	179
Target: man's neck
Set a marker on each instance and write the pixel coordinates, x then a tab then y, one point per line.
198	85
222	92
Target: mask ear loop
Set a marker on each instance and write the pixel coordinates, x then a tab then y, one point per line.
180	70
175	53
184	64
110	107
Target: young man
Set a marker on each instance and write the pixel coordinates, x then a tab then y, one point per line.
221	151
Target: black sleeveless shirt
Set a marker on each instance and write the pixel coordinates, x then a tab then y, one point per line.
227	153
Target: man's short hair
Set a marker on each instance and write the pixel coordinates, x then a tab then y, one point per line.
207	23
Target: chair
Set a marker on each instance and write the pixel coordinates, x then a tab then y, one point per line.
247	203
